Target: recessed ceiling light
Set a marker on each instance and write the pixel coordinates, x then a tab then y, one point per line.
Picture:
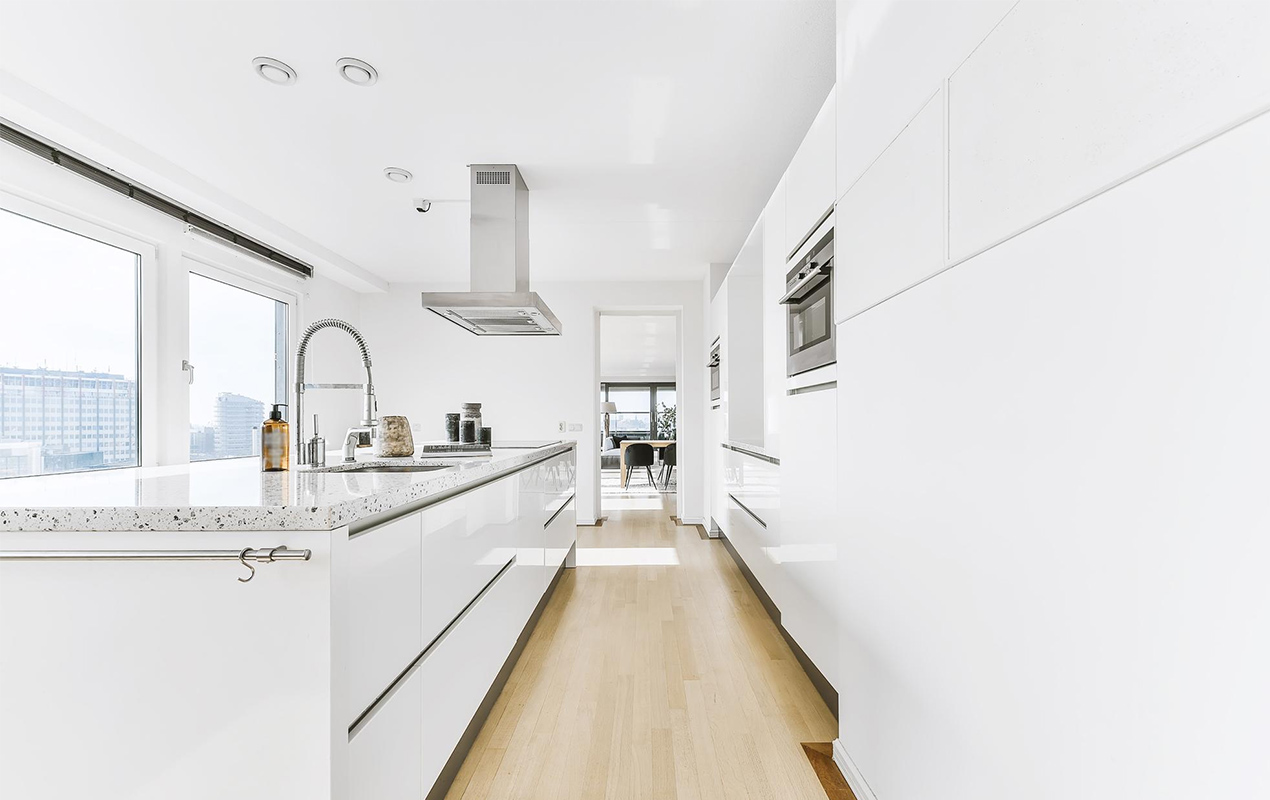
357	72
274	71
397	174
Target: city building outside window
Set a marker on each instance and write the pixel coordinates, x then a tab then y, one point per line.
69	351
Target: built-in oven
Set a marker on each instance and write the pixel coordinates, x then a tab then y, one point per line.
716	384
809	299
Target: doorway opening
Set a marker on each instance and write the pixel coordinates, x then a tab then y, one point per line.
638	402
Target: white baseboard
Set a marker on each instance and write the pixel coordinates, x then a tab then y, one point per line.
693	520
850	773
585	522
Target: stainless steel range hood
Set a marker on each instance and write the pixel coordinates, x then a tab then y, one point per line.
500	303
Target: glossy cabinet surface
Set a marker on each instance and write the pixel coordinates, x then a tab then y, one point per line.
890	225
387	754
1033	129
811	528
893	55
809	180
166	679
1056	454
753	496
466	541
385	587
744	335
775	318
456	675
488	555
562	508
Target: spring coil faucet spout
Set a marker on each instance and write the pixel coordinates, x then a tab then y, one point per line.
369	408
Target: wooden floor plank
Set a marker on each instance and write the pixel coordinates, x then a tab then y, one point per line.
651	680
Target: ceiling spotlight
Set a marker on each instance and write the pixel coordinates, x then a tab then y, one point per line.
397	174
274	71
357	72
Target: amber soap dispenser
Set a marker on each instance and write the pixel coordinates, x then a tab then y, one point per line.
275	442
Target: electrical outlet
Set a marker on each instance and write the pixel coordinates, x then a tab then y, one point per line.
563	425
575	426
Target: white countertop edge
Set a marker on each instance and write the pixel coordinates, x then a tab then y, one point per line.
265	517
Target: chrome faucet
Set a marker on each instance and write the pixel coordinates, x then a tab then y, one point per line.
370	408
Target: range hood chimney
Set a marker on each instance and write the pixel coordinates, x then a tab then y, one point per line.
500	303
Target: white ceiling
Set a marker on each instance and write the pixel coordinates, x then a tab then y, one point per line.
637	346
650	133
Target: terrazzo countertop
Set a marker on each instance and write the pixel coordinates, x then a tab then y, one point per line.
234	495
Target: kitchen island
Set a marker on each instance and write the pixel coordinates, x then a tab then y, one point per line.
360	668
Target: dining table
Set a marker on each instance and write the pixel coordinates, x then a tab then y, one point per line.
655	443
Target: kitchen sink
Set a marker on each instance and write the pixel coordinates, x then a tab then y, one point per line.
398	468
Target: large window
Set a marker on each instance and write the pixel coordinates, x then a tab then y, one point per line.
69	351
644	411
238	350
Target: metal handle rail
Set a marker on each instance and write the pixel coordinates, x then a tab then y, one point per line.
264	555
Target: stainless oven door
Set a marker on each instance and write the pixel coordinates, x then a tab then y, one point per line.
811	331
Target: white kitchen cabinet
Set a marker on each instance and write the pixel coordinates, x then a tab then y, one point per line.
1064	99
386	754
561	530
719	476
466	541
162	679
1055	453
809	179
892	57
745	352
718	419
890	227
530	535
458	672
810	527
385	586
775	318
753	487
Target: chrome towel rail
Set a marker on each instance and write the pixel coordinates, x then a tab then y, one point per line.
264	555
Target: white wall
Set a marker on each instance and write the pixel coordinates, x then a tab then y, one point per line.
27	179
1053	452
427	367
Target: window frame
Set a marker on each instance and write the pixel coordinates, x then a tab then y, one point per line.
248	281
167	256
652	386
147	321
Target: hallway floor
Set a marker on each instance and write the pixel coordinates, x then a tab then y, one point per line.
654	672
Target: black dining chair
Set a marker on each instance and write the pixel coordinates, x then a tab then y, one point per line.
668	462
639	455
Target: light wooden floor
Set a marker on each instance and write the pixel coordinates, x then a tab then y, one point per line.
651	681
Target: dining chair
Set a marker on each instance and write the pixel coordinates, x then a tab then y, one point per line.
640	455
668	461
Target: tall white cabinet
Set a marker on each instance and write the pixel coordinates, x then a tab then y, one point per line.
1050	292
775	463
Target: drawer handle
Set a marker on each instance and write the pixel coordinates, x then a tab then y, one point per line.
560	509
379	701
746	510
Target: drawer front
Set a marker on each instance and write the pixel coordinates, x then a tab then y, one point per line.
384	605
466	541
462	666
386	755
562	532
562	512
